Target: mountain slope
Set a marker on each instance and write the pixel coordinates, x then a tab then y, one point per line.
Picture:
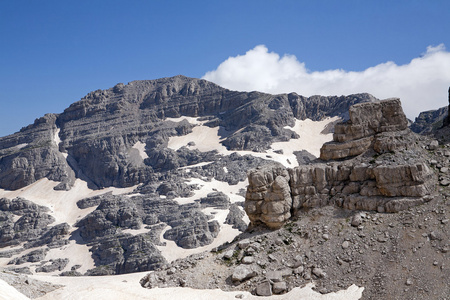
94	137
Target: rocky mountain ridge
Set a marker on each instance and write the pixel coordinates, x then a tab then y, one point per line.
174	154
98	132
120	137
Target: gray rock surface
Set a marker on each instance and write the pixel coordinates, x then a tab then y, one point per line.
264	289
429	121
116	253
33	256
24	221
216	199
31	288
243	272
137	112
389	173
31	154
53	265
125	254
235	218
296	254
367	120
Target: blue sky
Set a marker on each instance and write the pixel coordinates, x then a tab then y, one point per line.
52	53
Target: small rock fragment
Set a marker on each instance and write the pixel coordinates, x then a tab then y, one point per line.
356	220
279	287
318	272
248	260
243	244
229	254
242	272
264	289
274	276
434	144
345	245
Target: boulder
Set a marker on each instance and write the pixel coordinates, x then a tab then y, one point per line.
243	272
264	288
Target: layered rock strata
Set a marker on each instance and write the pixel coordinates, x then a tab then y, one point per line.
364	129
94	139
374	163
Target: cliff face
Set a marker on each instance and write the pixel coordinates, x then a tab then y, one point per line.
93	139
429	121
123	137
374	163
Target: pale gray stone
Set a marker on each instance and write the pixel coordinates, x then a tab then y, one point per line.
243	272
279	287
264	289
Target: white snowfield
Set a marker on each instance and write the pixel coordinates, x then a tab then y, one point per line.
63	208
207	139
121	287
7	292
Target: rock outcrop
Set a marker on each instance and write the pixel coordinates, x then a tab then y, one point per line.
428	122
24	221
365	128
374	163
32	154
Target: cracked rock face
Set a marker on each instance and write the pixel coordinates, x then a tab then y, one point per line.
366	122
93	139
119	137
383	170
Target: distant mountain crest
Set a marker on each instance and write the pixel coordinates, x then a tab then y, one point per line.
92	138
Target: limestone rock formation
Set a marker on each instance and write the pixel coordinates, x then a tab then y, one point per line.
366	122
379	167
268	196
32	154
23	221
121	137
94	138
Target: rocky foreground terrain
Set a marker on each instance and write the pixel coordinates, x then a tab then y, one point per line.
391	237
137	177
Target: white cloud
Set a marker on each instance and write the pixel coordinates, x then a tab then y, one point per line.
421	84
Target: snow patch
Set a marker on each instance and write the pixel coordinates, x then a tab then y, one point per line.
311	139
196	165
20	146
62	204
205	139
127	287
77	254
8	292
57	141
141	148
207	187
172	252
191	120
136	231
